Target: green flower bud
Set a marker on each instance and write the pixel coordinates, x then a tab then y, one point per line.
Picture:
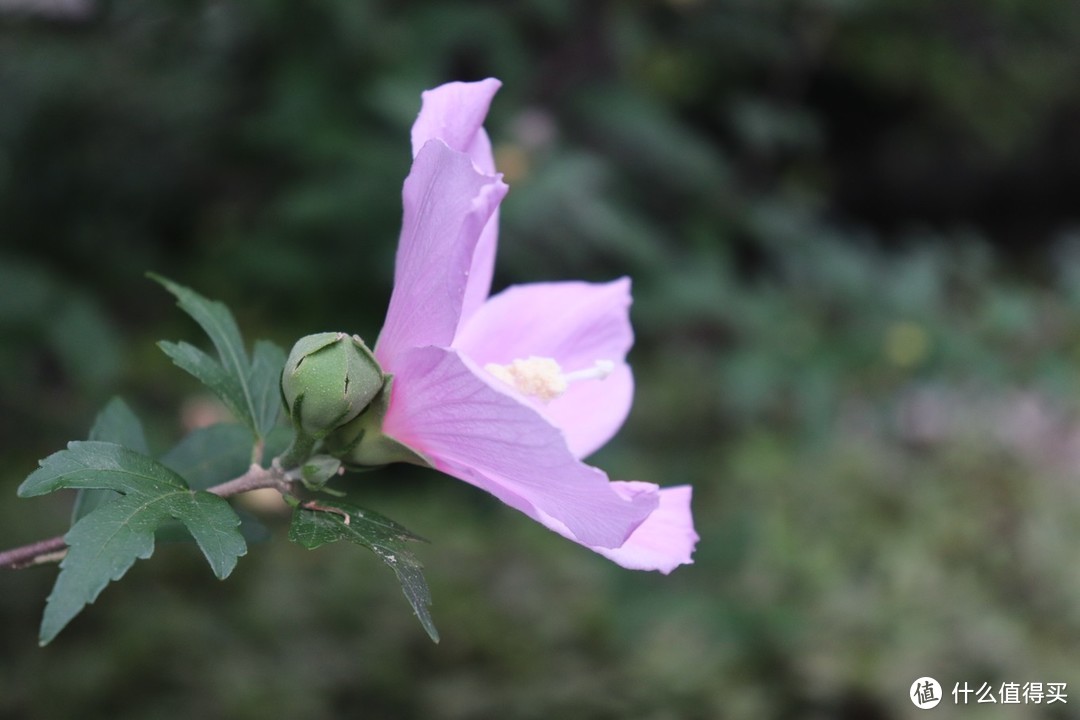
328	380
361	442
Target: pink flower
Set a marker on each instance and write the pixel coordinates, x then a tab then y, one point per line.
509	392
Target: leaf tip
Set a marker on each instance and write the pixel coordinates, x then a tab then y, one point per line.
160	279
174	288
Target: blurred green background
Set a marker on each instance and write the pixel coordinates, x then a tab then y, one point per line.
854	236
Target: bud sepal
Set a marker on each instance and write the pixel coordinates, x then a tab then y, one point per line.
361	443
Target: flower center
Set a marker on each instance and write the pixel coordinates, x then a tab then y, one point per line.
543	378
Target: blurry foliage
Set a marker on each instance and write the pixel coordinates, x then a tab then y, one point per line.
58	342
852	230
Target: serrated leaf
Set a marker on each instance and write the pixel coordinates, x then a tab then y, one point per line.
384	537
116	423
105	543
369	522
211	374
87	501
267	362
206	457
215	527
243	386
216	321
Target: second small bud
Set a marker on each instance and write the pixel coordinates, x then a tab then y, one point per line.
329	378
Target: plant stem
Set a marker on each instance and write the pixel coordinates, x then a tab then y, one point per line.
31	554
256	478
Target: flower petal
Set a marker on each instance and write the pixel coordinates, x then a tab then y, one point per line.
576	324
447	203
447	411
454	113
590	413
482	270
665	540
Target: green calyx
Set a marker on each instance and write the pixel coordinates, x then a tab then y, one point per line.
361	442
328	380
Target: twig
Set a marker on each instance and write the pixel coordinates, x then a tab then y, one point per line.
256	478
28	555
55	548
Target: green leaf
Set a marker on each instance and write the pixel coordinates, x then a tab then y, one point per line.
118	424
218	323
265	379
206	457
211	374
249	389
384	537
105	543
211	455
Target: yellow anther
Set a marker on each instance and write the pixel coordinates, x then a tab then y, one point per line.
543	378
